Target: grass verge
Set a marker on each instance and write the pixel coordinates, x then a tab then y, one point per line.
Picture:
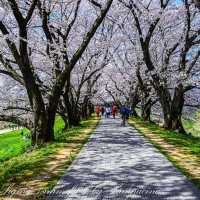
28	175
192	126
13	144
182	150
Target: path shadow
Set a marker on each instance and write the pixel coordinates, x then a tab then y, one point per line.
119	164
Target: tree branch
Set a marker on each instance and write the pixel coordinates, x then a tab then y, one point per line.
17	120
89	35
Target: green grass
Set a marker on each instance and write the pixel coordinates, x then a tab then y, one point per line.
192	126
30	164
14	170
13	144
59	125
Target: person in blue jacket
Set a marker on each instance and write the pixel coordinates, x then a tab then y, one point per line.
125	112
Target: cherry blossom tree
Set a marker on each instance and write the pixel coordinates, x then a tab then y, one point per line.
169	49
41	45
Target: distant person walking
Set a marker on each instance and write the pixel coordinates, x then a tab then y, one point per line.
102	111
114	111
98	110
108	112
124	113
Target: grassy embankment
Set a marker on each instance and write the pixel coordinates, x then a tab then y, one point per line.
26	174
13	144
192	126
182	150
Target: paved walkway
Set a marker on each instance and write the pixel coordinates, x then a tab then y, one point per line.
5	131
119	164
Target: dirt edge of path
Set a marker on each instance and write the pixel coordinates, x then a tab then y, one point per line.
34	188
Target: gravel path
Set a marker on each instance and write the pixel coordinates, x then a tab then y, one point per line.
5	131
119	164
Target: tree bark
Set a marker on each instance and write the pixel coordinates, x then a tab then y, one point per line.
172	109
146	109
177	108
134	112
43	130
84	108
90	109
73	116
73	112
135	99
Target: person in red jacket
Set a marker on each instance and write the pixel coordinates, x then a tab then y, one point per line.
98	110
114	111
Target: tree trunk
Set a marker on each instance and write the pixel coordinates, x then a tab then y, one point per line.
134	103
146	109
84	110
73	113
51	116
43	130
165	101
73	117
177	108
135	99
134	112
90	109
172	109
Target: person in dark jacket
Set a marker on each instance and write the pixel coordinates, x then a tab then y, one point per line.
102	111
125	111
